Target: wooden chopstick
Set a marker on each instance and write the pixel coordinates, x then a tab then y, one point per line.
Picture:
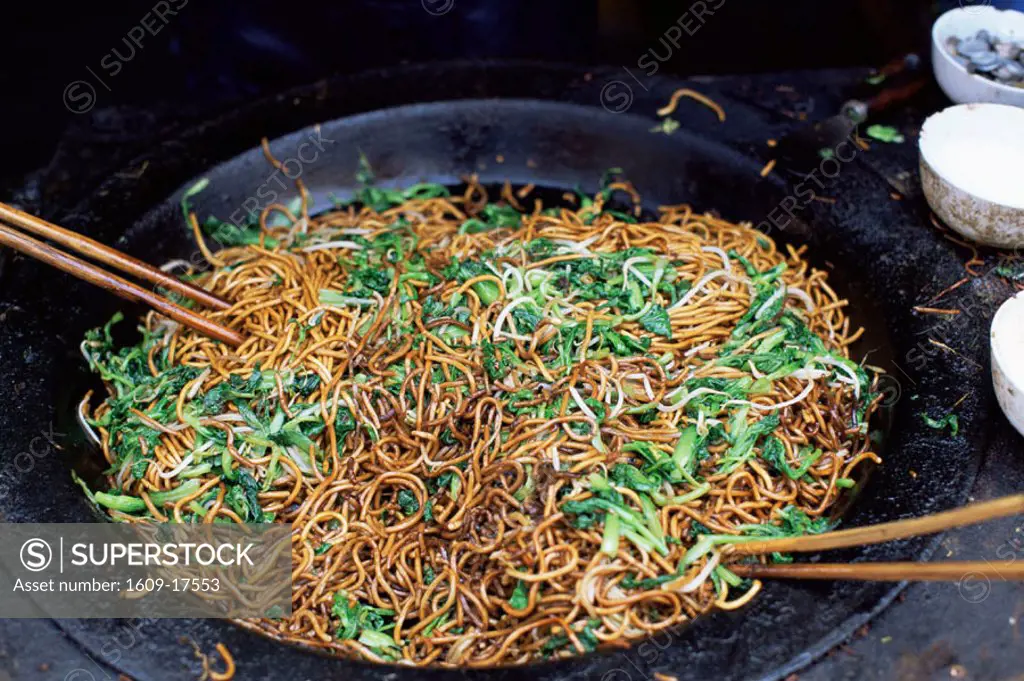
886	572
94	275
109	256
877	534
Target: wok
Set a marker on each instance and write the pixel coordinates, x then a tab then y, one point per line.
549	128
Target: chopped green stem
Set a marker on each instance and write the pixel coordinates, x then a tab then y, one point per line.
129	504
610	540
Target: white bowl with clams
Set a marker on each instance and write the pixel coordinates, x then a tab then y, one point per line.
972	171
955	81
1008	359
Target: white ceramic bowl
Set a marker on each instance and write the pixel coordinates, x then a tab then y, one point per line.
972	171
963	87
1008	359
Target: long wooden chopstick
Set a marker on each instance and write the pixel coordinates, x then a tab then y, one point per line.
129	291
108	256
878	534
886	572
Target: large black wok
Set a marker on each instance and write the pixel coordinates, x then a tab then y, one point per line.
879	253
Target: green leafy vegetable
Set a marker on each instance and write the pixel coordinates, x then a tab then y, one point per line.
949	421
885	133
666	126
438	621
242	498
199	186
130	504
407	502
520	596
356	618
656	321
497	358
1014	271
774	452
247	233
586	637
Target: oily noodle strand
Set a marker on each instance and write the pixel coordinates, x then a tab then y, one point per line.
454	574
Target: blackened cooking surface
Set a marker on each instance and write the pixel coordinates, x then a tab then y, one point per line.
555	146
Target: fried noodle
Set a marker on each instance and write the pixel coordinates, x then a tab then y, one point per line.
498	435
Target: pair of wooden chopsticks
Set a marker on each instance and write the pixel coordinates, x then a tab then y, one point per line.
877	534
11	217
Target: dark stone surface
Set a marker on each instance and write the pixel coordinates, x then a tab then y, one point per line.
934	628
